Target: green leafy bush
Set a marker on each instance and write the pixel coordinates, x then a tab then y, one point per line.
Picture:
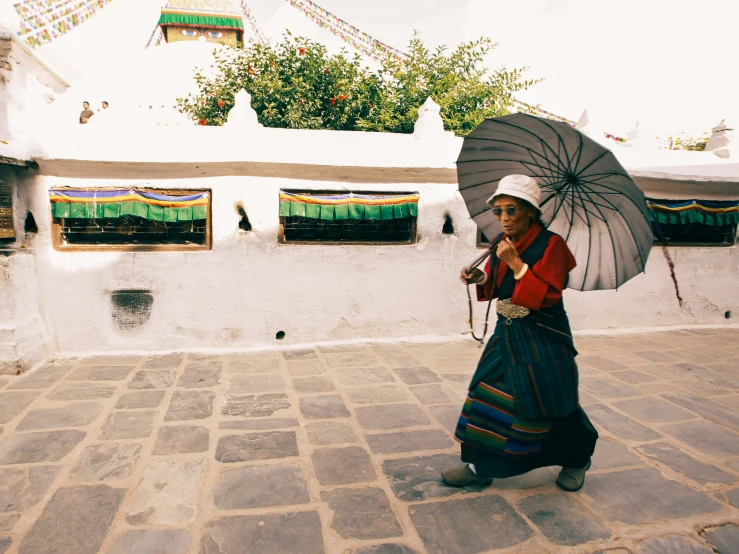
296	84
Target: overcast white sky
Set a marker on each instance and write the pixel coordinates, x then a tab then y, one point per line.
670	64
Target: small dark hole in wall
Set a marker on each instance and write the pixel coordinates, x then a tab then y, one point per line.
244	223
131	307
280	335
727	315
448	227
29	225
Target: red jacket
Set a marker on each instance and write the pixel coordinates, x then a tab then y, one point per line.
542	285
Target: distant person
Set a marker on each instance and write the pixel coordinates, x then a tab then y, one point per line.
87	113
105	105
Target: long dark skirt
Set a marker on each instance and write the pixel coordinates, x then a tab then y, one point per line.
500	444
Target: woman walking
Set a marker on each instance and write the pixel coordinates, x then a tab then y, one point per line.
522	410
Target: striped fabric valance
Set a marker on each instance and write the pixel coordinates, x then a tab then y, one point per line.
348	206
109	203
694	211
194	19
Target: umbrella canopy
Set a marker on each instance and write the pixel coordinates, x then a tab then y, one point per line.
587	196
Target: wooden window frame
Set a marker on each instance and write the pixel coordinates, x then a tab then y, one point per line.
281	231
701	244
479	243
60	245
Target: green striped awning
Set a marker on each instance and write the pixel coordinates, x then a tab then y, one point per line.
201	20
349	206
114	203
705	212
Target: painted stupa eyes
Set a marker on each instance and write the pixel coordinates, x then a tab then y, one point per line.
197	33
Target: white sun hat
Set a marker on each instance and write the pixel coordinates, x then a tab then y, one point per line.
518	186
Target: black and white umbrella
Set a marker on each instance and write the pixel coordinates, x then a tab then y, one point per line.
587	196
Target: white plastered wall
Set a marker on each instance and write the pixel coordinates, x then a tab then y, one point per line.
249	287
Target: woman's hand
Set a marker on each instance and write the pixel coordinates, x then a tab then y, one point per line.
508	253
471	276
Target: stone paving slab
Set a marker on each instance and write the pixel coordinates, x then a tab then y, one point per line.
75	521
339	449
290	533
469	525
562	520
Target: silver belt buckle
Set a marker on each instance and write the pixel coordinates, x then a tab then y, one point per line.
510	311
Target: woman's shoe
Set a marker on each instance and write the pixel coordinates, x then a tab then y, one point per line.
464	477
572	479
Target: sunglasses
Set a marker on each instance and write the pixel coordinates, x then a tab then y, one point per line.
510	210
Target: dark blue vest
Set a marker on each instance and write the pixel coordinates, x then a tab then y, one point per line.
553	319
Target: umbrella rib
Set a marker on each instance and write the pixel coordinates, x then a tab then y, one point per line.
608	204
530	150
554	166
522	162
633	236
526	130
595	160
556	207
494	180
579	151
467	187
606	174
582	207
535	164
590	249
616	192
613	244
572	218
560	140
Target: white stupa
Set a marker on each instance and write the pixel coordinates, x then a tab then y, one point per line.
591	127
721	142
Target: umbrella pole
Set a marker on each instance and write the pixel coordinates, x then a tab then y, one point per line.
480	258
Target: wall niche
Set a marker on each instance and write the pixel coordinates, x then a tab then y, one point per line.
131	308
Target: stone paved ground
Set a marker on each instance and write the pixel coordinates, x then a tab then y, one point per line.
339	450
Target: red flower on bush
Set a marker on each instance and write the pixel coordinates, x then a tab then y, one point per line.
202	102
180	110
325	71
332	100
301	51
221	103
202	122
251	70
341	97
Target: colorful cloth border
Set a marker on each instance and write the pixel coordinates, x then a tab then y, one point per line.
194	19
107	203
344	28
338	207
247	13
706	212
41	28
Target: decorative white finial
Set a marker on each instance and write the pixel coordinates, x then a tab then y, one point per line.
634	133
720	142
584	120
429	123
589	126
242	115
641	137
